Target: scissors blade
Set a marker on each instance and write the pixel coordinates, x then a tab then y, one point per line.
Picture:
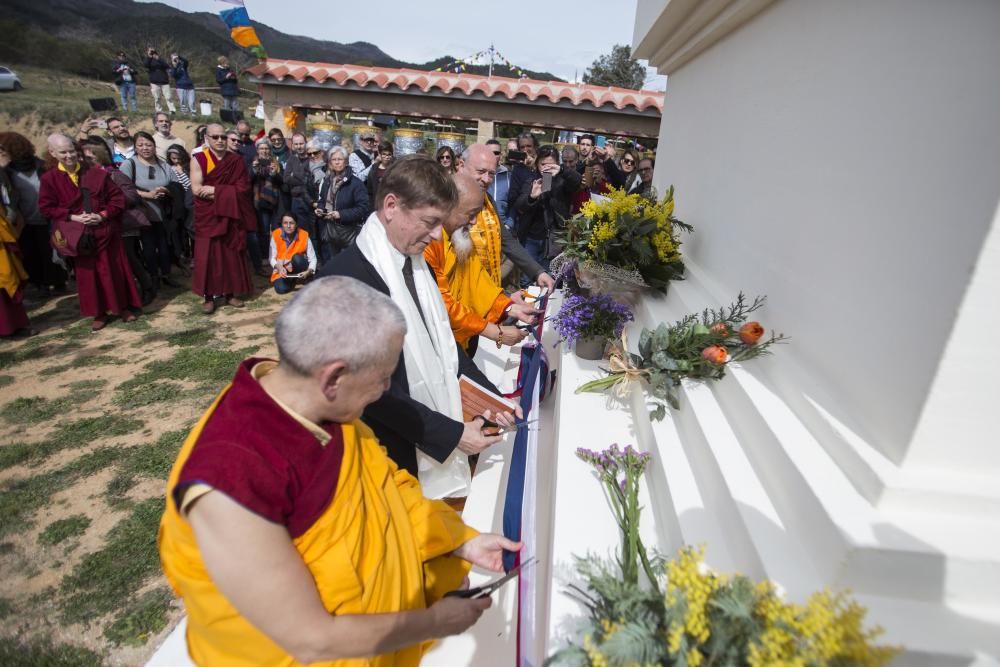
489	588
517	426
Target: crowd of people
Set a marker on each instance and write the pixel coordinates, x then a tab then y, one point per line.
235	205
160	72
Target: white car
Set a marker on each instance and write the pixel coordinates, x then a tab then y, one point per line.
9	80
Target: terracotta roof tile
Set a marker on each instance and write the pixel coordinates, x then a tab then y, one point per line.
467	84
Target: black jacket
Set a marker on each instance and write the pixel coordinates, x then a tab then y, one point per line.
615	176
229	84
538	217
158	70
402	424
120	67
297	177
519	174
351	199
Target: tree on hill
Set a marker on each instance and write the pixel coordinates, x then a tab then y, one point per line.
616	69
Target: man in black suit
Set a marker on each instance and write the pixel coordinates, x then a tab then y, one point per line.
414	199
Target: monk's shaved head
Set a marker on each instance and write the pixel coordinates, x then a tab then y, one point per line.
468	189
215	128
58	140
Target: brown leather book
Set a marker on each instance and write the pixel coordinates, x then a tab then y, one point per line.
476	400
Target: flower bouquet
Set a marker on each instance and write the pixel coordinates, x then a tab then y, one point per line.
694	347
624	243
590	321
686	615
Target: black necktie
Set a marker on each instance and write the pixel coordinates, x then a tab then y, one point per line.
411	286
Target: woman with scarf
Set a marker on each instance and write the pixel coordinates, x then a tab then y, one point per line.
342	206
72	193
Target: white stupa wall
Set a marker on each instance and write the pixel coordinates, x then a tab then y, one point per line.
844	159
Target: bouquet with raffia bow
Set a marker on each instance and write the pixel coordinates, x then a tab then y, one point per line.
623	240
694	347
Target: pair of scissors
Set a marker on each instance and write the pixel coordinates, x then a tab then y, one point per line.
488	423
485	591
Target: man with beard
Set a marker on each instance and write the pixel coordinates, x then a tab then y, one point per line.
223	214
475	303
122	145
490	236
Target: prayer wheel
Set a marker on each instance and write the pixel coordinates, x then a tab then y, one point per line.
408	142
454	140
358	131
327	135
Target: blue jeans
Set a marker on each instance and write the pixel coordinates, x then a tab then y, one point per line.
284	285
535	248
126	91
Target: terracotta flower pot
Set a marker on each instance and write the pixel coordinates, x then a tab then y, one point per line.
591	348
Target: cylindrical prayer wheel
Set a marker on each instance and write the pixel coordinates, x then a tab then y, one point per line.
408	142
357	133
326	135
454	140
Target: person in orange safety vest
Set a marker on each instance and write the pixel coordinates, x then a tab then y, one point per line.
293	259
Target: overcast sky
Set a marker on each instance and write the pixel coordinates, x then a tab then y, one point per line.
543	35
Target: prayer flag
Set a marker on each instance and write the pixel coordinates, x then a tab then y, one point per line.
241	29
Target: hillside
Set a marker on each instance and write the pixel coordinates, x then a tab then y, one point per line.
82	38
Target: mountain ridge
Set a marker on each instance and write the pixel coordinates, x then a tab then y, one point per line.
83	38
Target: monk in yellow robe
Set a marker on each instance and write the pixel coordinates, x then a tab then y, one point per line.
491	239
475	302
290	535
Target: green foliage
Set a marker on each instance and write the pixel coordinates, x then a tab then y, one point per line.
6	380
63	529
141	619
106	579
693	347
16	652
207	364
617	68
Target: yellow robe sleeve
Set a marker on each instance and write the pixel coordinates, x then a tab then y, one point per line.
470	296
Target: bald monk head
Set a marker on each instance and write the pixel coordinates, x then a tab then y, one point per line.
479	163
463	216
63	150
215	138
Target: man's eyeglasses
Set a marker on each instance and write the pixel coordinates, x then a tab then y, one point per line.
216	137
645	169
312	152
368	139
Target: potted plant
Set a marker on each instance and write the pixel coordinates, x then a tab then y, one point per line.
624	243
589	322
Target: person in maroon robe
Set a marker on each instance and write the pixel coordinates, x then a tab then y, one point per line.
103	279
223	214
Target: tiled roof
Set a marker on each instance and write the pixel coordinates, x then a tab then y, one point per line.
451	84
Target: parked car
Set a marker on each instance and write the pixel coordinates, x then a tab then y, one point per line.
9	79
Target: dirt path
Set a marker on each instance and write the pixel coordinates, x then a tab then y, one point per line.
89	427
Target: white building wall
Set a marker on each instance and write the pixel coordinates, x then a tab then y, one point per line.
844	158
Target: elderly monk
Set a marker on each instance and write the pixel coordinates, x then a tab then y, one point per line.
288	532
223	214
476	304
85	195
420	419
490	236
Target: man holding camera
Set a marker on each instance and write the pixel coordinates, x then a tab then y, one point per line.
159	80
125	76
591	154
183	83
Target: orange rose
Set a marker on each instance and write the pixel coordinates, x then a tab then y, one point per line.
751	332
721	329
715	354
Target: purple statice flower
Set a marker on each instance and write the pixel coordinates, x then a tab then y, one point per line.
598	315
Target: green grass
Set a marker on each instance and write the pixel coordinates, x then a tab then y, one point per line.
6	380
141	619
192	337
146	394
44	653
63	529
21	497
152	460
33	409
91	360
106	580
86	386
207	365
